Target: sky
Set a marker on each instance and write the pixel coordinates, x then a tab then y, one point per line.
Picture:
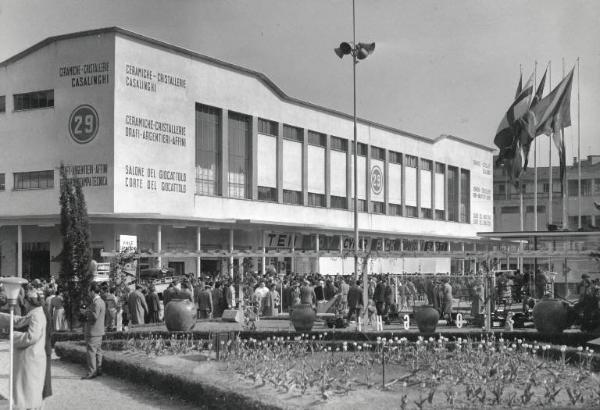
439	67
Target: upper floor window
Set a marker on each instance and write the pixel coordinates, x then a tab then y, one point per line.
2	103
316	138
362	149
440	168
411	161
426	164
33	100
339	144
293	133
395	157
2	182
378	153
34	180
268	127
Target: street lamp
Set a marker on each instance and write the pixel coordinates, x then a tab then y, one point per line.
358	51
12	287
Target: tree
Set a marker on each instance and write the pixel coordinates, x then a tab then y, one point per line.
75	275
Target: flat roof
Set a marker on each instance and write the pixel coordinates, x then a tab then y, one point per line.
260	76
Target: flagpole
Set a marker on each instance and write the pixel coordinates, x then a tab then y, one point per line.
535	170
578	153
550	219
563	182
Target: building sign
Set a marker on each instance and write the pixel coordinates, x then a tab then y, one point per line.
146	79
127	243
88	175
386	245
155	131
152	179
376	180
83	124
481	194
87	74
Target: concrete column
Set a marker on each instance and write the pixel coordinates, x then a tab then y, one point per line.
19	251
293	252
305	167
328	171
159	245
225	153
198	249
254	160
279	161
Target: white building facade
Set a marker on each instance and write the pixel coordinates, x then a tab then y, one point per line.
199	158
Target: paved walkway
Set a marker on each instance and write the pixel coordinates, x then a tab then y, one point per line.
103	393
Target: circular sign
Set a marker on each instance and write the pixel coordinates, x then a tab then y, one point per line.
83	124
376	180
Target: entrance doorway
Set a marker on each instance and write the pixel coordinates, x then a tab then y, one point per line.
36	260
210	266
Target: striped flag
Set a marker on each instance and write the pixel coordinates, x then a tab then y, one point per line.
509	131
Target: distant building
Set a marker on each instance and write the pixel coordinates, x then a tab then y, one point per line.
507	204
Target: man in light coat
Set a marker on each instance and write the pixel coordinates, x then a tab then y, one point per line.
29	371
93	331
137	306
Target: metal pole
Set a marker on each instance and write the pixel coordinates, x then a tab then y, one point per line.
10	374
550	218
535	170
355	161
578	153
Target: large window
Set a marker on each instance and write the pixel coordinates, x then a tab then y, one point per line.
208	150
395	157
465	196
453	194
395	210
2	182
34	180
268	127
378	153
33	100
586	187
378	207
2	103
239	154
411	211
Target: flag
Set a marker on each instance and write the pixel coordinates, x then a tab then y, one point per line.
519	86
528	122
540	91
508	134
553	113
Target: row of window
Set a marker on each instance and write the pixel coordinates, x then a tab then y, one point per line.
29	180
209	160
589	187
29	101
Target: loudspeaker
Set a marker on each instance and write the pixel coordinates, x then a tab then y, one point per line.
343	49
232	315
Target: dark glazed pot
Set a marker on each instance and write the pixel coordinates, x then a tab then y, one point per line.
427	319
303	317
180	315
550	316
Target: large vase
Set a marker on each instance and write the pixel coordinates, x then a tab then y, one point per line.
180	315
303	317
427	319
550	316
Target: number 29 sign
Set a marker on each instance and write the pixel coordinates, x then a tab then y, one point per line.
83	124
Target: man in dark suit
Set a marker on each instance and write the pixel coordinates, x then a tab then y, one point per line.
228	297
355	300
94	330
205	303
379	297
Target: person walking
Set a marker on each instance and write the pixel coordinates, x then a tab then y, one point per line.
379	297
137	306
447	300
217	297
30	361
110	301
94	330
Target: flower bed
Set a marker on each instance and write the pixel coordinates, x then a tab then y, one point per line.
385	373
